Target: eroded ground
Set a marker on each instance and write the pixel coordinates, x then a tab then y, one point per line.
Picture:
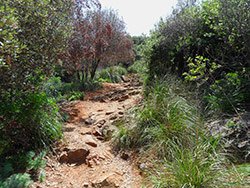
85	158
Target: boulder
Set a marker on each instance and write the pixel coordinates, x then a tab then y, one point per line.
88	139
77	156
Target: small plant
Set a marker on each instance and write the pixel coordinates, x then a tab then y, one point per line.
139	67
111	74
75	95
226	94
53	87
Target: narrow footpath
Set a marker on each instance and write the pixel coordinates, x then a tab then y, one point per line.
85	158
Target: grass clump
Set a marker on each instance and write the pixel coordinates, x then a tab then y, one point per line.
111	74
169	130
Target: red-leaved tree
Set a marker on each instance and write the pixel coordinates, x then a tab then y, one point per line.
99	38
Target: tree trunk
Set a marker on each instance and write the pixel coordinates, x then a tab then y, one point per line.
94	68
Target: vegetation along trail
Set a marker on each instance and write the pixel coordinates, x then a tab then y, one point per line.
85	158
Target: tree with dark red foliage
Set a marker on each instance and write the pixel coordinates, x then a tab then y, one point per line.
98	38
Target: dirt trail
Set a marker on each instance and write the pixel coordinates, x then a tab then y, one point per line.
85	158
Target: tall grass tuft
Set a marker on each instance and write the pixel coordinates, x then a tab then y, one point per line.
170	130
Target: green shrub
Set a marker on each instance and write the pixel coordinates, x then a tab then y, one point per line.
138	67
75	95
53	87
226	94
29	162
205	43
17	181
91	85
29	122
111	74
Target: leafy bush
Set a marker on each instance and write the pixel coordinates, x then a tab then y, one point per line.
205	43
138	67
30	54
28	122
64	91
226	95
111	74
17	181
75	95
53	87
29	162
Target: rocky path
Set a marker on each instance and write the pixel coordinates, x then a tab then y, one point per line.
85	158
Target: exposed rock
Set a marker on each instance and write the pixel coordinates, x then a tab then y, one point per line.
125	156
123	98
109	112
142	166
89	121
100	123
74	156
111	181
135	92
85	184
88	139
125	79
68	129
113	117
97	133
120	112
235	133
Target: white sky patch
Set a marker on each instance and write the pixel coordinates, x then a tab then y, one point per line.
140	16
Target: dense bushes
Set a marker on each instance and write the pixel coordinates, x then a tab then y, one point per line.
32	35
206	44
28	122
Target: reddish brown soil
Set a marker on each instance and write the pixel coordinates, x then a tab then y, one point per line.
89	128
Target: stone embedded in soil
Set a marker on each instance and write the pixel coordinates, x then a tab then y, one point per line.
109	112
120	113
123	98
134	92
125	79
113	117
90	141
97	133
111	181
85	184
100	123
125	156
74	156
89	121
